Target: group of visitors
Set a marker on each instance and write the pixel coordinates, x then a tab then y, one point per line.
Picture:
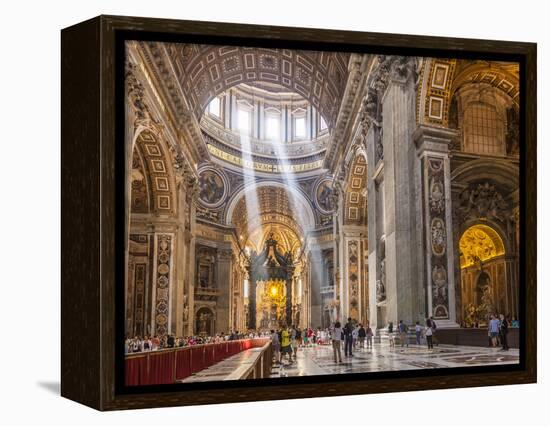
421	332
353	336
498	331
152	343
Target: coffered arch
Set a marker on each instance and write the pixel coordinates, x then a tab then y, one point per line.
266	204
441	78
205	71
156	166
356	191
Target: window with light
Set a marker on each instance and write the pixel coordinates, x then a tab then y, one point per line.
244	120
273	127
484	130
300	128
214	107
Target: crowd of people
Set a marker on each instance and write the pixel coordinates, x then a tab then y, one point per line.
351	336
287	340
152	343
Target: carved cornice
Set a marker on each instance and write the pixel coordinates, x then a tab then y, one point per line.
351	101
164	79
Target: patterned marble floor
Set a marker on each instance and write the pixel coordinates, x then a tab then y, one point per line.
319	359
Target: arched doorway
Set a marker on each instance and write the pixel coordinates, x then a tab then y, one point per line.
483	276
204	322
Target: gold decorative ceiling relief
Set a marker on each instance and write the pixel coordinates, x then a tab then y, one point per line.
479	243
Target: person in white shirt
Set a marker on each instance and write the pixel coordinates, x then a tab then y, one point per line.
429	334
355	335
418	331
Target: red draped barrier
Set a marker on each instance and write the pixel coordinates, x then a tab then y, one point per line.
197	358
168	365
209	358
161	368
183	364
136	371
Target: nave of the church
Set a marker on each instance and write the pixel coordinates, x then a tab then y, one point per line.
276	189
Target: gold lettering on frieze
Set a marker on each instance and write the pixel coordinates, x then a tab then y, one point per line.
264	167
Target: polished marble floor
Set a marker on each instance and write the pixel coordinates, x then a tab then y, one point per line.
319	360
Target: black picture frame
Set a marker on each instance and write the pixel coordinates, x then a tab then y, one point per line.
93	177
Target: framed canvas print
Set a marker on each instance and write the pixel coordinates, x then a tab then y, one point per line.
254	213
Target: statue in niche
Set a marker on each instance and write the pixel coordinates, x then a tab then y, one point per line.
185	309
204	319
381	283
380	291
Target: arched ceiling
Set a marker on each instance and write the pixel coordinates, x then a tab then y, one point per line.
286	237
479	243
204	71
441	78
273	209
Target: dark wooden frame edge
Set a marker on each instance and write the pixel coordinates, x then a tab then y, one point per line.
88	206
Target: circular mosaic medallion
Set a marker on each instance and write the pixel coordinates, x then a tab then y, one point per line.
163	269
212	187
161	319
164	258
323	196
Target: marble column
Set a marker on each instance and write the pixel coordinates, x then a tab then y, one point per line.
375	227
316	282
432	146
400	214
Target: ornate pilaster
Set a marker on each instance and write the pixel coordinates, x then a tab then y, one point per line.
433	149
224	301
163	276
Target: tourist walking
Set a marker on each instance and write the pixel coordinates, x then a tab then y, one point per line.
348	338
418	332
275	345
369	336
429	335
403	333
355	336
390	334
337	342
494	328
361	334
503	331
286	348
434	328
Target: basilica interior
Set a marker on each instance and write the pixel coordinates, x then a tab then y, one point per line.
270	186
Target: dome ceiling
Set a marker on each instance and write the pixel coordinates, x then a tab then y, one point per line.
204	71
266	105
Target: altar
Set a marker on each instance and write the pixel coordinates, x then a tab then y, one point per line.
270	299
